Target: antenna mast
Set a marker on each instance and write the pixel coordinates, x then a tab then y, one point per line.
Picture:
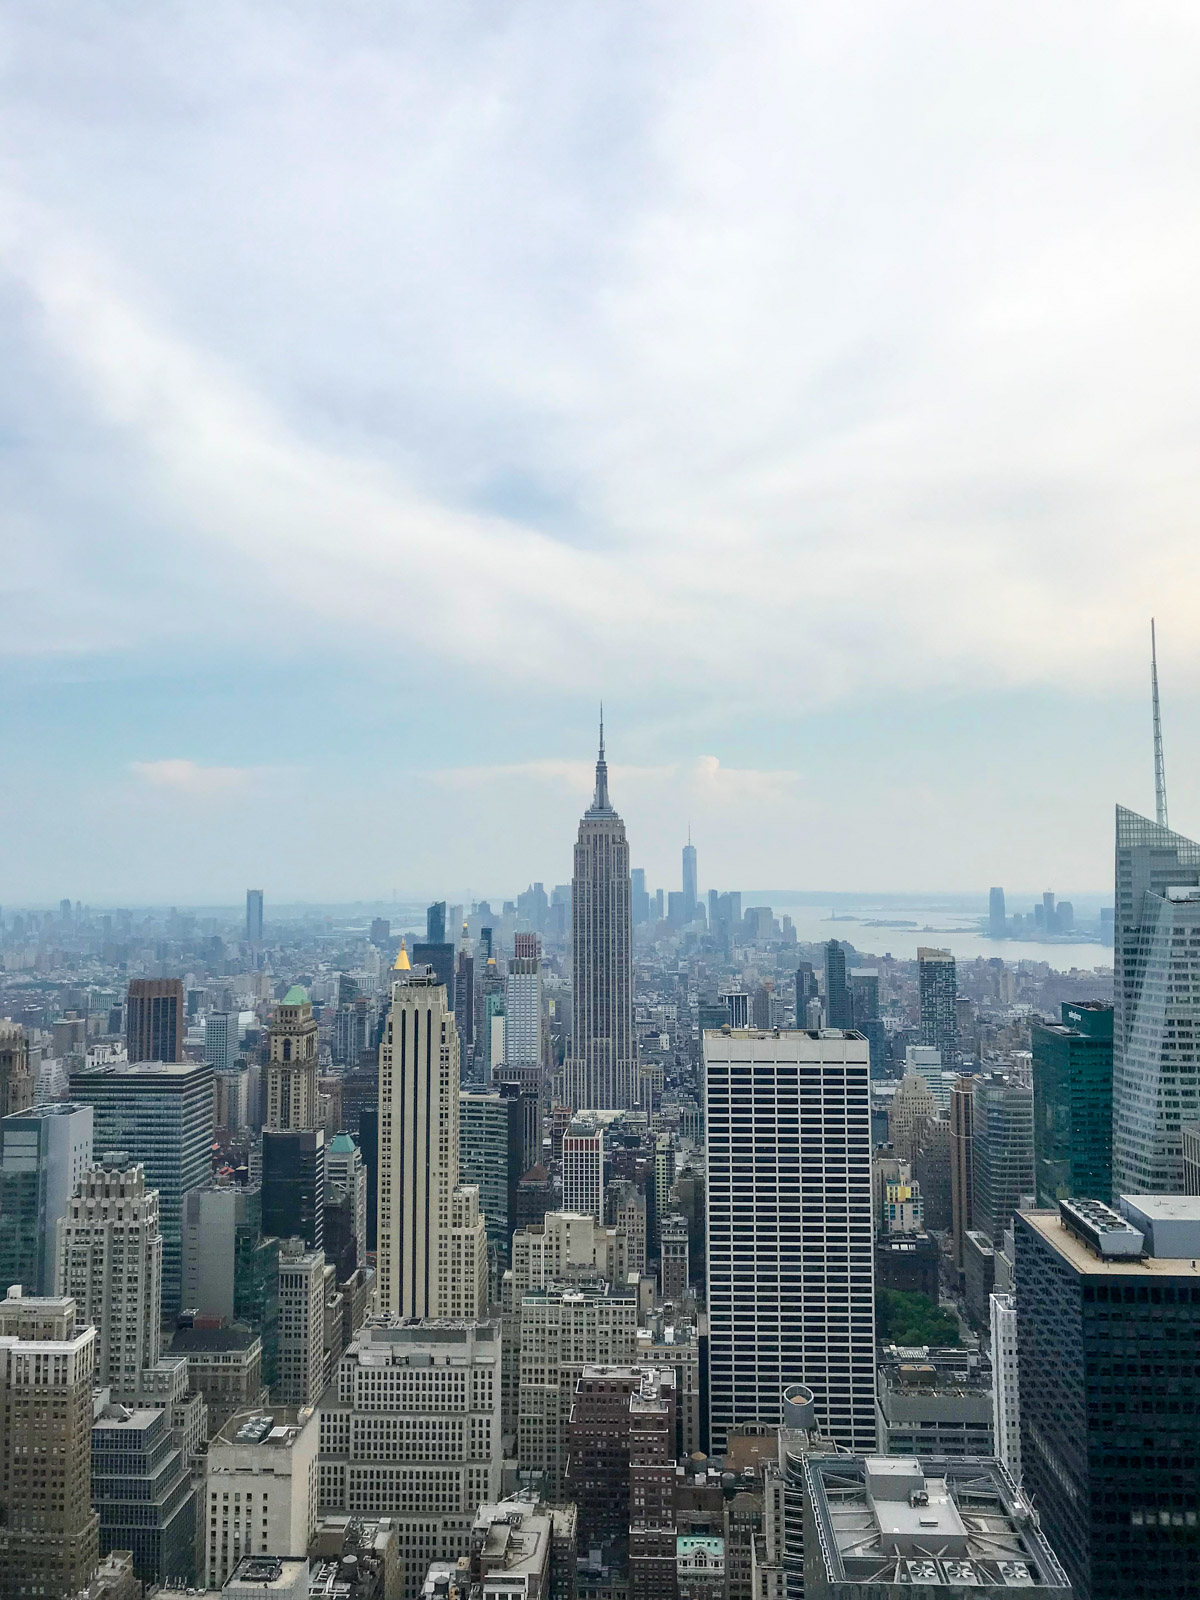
1160	776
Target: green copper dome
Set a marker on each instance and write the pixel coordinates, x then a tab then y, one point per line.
296	996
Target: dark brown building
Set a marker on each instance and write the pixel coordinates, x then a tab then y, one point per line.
652	1487
154	1021
16	1080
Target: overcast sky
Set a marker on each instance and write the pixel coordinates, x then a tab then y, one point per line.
381	385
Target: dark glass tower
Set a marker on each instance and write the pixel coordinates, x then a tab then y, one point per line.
293	1185
1073	1104
937	981
1110	1396
839	1012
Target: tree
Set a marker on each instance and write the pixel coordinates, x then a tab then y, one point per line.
913	1319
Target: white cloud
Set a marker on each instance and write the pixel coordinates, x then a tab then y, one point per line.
190	779
845	339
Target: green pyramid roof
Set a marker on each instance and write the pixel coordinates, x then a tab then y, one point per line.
341	1144
296	996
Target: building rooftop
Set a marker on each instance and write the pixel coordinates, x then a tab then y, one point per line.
140	1069
1050	1226
276	1426
896	1521
197	1341
269	1574
297	995
341	1145
1170	1222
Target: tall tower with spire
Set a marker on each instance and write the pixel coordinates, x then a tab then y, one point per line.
601	1073
691	896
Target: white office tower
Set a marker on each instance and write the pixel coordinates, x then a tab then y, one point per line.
523	1004
601	1071
344	1166
410	1430
432	1241
583	1167
1156	1001
302	1374
790	1268
1006	1404
110	1263
563	1331
260	1488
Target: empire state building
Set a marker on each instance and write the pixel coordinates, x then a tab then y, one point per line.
601	1072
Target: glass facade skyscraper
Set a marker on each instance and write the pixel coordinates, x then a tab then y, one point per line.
160	1113
1073	1104
1156	995
839	1012
937	981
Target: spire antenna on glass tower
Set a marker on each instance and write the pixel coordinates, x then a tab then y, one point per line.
1160	776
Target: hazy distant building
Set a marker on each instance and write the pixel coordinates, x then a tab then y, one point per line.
601	1071
1156	992
997	919
790	1280
154	1021
1073	1104
937	981
690	897
254	917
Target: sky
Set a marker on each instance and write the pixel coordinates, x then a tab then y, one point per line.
384	386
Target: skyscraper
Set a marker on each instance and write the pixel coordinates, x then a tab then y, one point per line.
432	1243
1073	1104
291	1092
464	996
1156	994
790	1267
937	981
44	1152
221	1040
109	1252
49	1533
1001	1152
254	917
839	1012
962	1183
601	1071
161	1114
154	1025
583	1168
1107	1307
523	1003
997	920
690	897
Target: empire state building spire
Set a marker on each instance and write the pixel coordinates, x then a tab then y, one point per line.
601	806
601	1072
